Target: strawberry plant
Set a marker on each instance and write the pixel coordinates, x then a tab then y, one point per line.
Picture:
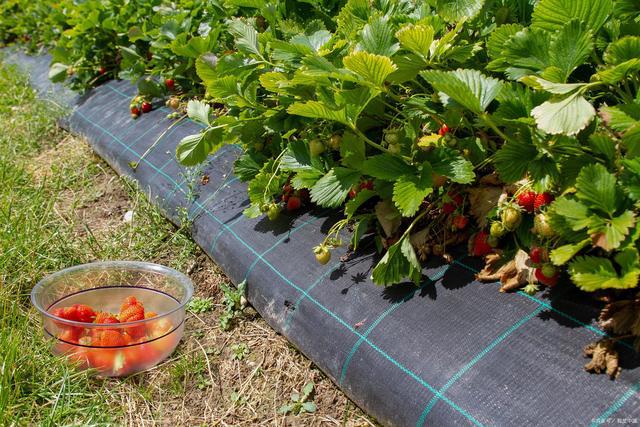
513	127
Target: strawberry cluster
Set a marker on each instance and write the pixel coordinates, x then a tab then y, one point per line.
138	106
117	349
545	272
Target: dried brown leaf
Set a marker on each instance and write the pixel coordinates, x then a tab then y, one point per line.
491	179
388	216
604	358
493	268
621	317
482	200
513	274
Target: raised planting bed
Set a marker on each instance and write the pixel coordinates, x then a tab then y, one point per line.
449	351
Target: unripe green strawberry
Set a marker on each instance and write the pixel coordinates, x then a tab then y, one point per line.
335	141
323	255
542	227
497	229
549	270
273	212
392	137
316	147
394	148
511	218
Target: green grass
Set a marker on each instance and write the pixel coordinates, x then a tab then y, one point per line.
36	238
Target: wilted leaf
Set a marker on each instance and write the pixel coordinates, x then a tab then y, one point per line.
604	358
482	200
513	274
622	317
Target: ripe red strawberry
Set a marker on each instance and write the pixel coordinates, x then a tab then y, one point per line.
293	203
352	193
542	199
70	334
444	129
456	198
526	200
102	71
480	245
538	255
549	280
130	300
110	338
366	185
105	318
84	313
76	313
448	208
170	84
132	313
135	111
146	107
304	194
460	221
132	310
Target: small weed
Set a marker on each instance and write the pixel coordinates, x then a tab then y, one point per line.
300	402
191	369
239	351
199	305
238	399
234	302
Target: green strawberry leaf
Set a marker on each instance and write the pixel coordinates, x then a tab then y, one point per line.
469	88
398	262
318	110
592	273
597	188
570	47
246	37
551	15
566	115
459	10
417	39
576	214
539	83
198	111
513	159
409	191
331	190
377	37
373	69
58	72
622	50
352	150
387	167
450	163
562	254
194	149
615	231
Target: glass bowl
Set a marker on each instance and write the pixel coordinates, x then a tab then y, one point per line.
114	348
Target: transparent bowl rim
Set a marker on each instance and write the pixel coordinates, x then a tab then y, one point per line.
114	265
